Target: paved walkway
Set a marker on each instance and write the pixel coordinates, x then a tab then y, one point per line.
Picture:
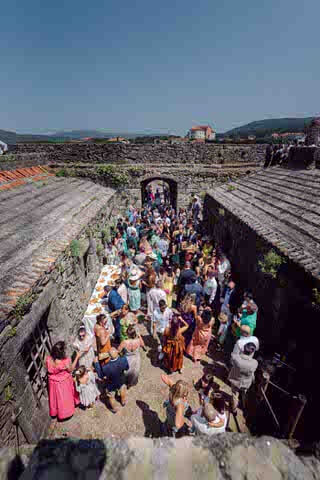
144	412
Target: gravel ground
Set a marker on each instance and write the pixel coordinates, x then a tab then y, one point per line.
144	411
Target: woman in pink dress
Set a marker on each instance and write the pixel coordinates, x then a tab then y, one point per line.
201	336
62	393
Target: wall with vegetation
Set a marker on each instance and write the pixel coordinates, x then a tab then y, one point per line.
61	298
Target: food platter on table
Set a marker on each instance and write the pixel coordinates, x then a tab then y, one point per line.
97	310
94	300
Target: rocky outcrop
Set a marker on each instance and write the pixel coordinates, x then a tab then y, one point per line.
225	456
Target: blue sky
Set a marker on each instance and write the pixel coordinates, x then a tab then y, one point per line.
162	66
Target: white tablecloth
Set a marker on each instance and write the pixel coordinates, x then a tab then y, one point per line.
108	274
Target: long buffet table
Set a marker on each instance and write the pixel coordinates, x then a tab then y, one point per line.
96	305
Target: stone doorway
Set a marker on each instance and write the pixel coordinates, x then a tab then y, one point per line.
163	185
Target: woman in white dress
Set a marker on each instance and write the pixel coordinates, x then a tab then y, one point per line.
131	349
84	345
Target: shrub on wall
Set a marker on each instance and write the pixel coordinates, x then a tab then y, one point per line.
23	305
75	249
271	263
316	297
111	173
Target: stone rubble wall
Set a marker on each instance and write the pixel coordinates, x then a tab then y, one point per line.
62	297
13	161
147	154
190	180
228	456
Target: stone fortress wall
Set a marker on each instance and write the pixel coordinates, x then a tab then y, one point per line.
194	167
144	153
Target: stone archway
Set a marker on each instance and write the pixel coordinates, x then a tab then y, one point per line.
171	184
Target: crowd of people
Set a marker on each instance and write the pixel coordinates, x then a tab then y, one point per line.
179	283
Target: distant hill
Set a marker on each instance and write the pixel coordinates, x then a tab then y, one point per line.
11	138
264	128
78	134
8	137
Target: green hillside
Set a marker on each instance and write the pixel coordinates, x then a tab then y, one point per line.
264	128
8	137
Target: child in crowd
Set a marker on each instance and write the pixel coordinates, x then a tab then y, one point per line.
86	387
204	386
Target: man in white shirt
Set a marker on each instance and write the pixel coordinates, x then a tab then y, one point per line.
210	287
155	295
163	246
161	318
223	267
131	231
245	337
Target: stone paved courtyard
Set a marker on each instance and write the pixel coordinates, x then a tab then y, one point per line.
144	412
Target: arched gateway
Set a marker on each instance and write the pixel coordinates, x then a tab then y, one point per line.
162	182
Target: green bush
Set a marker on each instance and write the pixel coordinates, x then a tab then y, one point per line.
111	173
99	248
8	395
231	188
271	263
75	248
61	173
23	305
316	296
12	332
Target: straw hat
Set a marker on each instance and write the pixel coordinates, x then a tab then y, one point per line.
152	256
134	275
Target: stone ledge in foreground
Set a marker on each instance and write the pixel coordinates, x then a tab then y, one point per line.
228	456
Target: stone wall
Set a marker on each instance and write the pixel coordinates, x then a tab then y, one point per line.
284	299
148	154
12	161
277	297
301	158
189	180
228	456
60	299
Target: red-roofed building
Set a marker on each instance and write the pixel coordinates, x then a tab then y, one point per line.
202	132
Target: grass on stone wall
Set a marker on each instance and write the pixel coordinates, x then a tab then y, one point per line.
23	305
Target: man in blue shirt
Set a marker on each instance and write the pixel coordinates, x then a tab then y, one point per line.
113	371
114	302
112	297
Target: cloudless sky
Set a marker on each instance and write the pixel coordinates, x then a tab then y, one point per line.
156	65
